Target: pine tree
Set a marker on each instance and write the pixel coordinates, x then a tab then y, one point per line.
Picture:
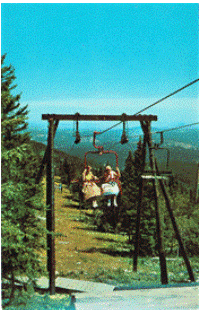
22	232
68	171
131	177
187	219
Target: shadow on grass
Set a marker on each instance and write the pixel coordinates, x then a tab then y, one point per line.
108	251
95	229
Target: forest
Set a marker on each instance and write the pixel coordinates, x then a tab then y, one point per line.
23	234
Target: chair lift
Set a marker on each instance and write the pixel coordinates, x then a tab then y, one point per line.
112	190
167	172
164	174
100	150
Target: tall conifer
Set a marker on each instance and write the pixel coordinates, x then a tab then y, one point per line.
21	198
131	177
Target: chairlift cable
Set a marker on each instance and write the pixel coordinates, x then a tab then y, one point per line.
156	132
138	135
160	100
180	127
183	126
113	126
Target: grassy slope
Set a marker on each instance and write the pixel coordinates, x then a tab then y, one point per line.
83	253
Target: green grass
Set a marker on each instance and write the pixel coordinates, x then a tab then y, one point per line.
148	272
36	301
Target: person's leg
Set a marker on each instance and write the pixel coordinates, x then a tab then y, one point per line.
94	203
115	201
109	202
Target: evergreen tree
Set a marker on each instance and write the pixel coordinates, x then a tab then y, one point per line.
187	219
185	212
69	171
131	177
22	232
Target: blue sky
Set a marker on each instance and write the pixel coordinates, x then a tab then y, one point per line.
104	58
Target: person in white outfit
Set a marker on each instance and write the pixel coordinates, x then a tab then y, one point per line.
111	185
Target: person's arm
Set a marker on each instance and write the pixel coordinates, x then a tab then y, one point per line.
118	172
107	178
84	175
95	178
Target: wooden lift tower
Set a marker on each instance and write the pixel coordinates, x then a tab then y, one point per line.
145	120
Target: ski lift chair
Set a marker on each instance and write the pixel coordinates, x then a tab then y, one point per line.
167	173
111	190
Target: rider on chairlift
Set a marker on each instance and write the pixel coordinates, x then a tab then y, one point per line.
111	186
90	189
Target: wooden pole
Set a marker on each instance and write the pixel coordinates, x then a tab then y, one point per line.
196	194
39	175
50	219
168	204
163	268
137	234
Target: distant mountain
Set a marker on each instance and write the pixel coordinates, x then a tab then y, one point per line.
182	144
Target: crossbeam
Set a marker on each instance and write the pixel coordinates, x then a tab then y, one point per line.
84	117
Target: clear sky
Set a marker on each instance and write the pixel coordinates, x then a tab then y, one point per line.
104	58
